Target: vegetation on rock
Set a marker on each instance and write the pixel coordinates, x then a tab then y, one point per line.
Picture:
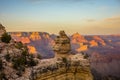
2	75
38	56
64	59
19	45
31	61
7	57
5	38
86	56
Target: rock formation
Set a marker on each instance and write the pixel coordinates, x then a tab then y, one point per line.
62	44
15	60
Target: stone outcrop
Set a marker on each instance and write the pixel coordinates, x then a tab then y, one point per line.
14	60
35	36
77	68
62	43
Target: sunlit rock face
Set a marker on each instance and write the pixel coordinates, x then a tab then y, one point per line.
32	49
93	43
78	42
99	40
20	37
2	30
82	48
35	36
37	42
18	34
25	40
62	43
77	38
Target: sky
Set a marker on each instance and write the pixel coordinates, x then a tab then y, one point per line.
82	16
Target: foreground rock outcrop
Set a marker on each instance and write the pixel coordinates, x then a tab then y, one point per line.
15	60
78	68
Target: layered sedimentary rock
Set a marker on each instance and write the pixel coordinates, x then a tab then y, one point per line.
62	43
12	57
62	49
78	68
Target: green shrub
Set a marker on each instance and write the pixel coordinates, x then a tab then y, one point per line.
24	60
19	45
2	76
86	56
38	56
5	38
7	57
64	59
19	62
31	61
19	65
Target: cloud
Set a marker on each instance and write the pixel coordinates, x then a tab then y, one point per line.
110	25
91	20
113	19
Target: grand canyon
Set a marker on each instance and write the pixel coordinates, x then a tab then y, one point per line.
59	39
103	49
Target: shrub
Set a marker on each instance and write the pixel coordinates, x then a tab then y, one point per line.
18	62
2	76
38	56
19	45
7	57
25	53
64	59
31	61
86	56
5	38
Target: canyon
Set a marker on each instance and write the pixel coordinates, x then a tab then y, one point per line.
103	49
